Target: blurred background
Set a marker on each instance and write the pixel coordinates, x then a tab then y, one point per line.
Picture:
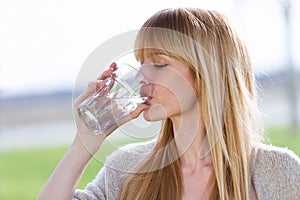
44	43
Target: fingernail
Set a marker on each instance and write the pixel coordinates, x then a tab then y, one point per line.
113	66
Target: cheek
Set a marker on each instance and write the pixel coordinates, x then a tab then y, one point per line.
167	104
173	92
179	83
178	94
184	100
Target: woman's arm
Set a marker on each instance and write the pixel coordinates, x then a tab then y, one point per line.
65	177
63	181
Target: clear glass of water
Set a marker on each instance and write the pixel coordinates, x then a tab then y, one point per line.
121	94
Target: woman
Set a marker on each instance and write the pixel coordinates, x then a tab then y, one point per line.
209	146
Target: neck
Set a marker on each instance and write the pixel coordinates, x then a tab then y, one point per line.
189	134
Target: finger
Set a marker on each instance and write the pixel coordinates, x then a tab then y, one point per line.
105	74
108	73
113	66
100	83
134	114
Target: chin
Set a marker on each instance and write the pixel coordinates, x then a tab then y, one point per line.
155	113
149	118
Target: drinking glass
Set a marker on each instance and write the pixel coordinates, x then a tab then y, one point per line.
120	95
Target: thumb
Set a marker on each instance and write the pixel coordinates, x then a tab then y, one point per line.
134	114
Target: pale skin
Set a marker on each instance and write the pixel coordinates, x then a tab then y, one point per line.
167	101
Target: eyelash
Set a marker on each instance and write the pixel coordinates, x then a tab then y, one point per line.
159	65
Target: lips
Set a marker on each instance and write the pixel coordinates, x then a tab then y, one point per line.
147	100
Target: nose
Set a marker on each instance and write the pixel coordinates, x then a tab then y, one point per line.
139	78
142	75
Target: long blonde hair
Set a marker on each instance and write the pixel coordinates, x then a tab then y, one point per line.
222	70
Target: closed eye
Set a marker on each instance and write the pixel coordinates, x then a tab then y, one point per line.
158	65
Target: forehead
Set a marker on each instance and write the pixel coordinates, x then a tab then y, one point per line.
153	42
152	54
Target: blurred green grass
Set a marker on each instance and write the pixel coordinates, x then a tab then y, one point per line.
24	172
284	137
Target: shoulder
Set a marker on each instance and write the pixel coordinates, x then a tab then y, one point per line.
109	182
127	157
272	156
276	173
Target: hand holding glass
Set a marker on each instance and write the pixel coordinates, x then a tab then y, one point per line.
109	105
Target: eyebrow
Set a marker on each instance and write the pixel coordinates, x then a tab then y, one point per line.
153	54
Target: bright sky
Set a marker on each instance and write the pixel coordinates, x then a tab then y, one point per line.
43	43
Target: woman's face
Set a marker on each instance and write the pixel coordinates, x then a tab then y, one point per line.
172	87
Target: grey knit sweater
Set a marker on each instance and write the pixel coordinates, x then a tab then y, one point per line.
275	173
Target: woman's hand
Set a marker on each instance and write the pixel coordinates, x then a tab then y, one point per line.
63	181
85	136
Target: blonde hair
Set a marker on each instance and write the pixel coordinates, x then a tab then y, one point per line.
221	66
